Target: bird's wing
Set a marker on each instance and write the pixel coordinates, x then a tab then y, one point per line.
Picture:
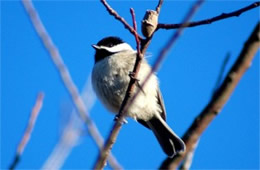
161	104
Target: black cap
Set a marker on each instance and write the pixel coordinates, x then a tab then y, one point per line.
102	53
110	41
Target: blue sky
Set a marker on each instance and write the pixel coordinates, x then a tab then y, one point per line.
187	78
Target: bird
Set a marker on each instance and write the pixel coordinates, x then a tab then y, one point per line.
114	60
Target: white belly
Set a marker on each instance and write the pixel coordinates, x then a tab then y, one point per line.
110	81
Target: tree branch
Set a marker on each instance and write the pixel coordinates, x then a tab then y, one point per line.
187	161
210	20
137	40
128	100
27	134
219	99
112	12
158	8
66	78
72	132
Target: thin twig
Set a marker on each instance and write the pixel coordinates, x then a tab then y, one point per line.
235	13
135	28
158	8
27	134
65	76
100	163
119	18
220	98
221	73
69	139
71	132
187	161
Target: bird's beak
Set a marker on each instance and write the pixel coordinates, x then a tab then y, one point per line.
96	47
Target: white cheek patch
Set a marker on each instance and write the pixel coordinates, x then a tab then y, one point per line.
118	48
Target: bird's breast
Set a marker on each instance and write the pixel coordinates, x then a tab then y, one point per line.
110	82
110	79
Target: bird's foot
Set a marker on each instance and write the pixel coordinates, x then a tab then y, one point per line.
132	75
137	81
124	121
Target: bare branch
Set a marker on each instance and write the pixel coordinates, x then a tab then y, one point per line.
186	164
187	161
69	139
128	100
135	28
65	76
27	134
210	20
71	133
158	8
119	18
221	73
219	99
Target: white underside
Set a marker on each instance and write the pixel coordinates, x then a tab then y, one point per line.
110	80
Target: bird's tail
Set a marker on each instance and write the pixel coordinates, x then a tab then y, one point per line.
169	141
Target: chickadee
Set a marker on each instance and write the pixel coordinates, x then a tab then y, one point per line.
114	60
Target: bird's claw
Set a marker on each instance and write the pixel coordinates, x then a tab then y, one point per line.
132	76
137	81
124	121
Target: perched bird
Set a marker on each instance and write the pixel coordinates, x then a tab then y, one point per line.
114	60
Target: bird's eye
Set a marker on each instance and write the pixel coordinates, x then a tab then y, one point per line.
110	45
